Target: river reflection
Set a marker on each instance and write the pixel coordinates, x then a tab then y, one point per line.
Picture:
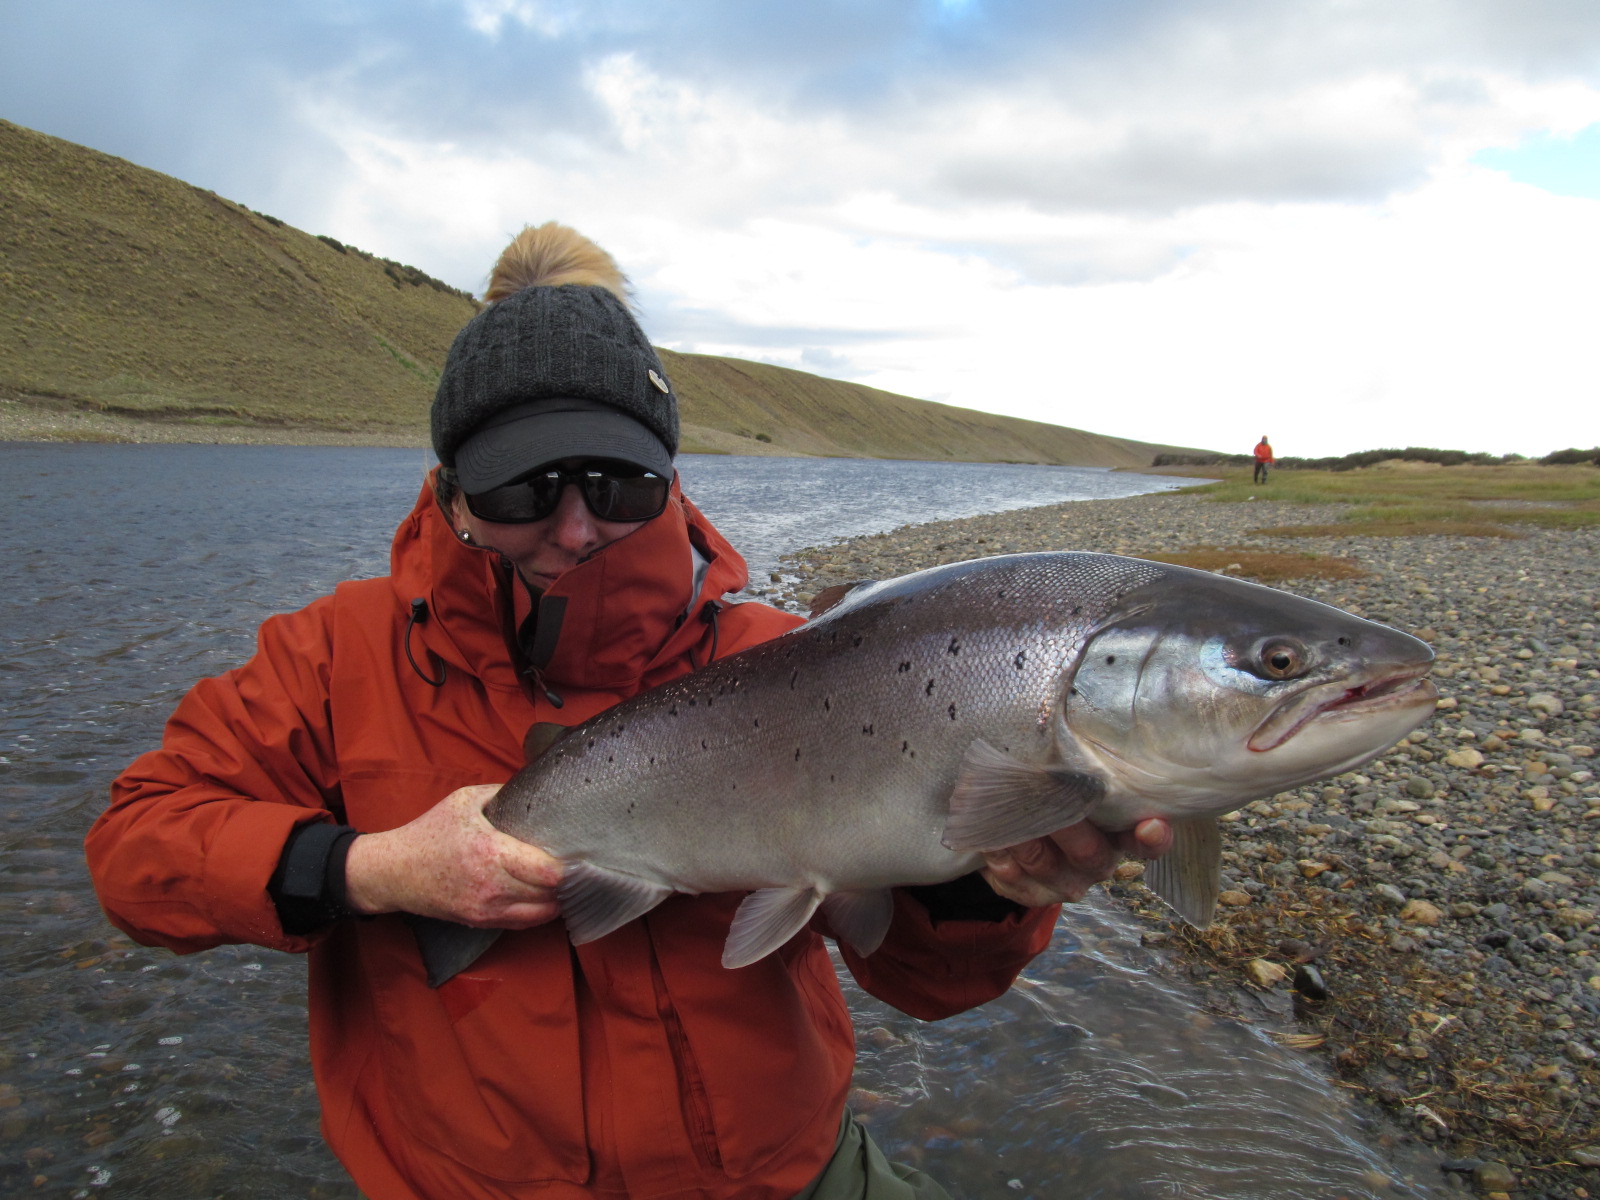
133	571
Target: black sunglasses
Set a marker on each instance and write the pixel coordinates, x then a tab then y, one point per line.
613	491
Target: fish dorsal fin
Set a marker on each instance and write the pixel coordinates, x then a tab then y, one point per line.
448	948
594	901
766	920
1189	876
860	918
1000	801
832	594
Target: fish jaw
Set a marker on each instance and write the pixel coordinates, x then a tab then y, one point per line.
1405	694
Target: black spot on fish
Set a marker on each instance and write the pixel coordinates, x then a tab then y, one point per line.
827	704
793	679
611	758
954	647
673	711
703	745
904	746
904	667
1111	660
652	760
952	711
591	744
855	640
758	723
1020	659
1077	610
928	691
797	754
866	730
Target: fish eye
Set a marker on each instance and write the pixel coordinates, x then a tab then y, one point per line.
1282	660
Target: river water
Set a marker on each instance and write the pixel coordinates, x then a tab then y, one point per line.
131	571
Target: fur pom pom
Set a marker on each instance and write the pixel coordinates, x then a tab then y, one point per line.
550	255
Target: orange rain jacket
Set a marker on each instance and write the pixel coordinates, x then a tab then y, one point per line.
636	1065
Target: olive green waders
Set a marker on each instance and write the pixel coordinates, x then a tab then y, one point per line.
859	1171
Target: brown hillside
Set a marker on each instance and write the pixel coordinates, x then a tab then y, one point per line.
132	292
807	414
140	306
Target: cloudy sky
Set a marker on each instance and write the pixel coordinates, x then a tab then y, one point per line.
1347	223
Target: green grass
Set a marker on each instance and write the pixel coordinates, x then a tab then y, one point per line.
1407	501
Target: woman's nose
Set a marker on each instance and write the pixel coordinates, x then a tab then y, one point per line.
572	525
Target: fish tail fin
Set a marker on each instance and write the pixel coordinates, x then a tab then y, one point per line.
448	948
1189	876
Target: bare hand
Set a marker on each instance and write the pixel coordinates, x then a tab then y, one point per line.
452	864
1064	865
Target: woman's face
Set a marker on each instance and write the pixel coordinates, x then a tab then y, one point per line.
542	550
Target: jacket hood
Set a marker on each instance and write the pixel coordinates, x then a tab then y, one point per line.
603	624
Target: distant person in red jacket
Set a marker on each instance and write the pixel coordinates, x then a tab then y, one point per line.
1263	459
551	568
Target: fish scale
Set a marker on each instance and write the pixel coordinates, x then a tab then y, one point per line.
926	719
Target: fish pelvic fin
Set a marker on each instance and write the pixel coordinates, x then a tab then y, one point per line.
447	948
595	901
860	918
766	920
1000	801
1189	876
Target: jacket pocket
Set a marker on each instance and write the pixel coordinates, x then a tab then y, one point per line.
486	1069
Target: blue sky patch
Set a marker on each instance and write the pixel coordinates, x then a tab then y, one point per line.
1566	166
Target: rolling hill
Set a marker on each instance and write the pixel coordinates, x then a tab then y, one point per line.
143	307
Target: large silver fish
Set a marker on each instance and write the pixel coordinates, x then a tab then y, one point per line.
925	719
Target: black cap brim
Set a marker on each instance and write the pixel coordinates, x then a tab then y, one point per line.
532	435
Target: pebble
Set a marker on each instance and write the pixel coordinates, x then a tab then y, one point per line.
1472	849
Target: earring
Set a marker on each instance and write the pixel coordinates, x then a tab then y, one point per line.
465	535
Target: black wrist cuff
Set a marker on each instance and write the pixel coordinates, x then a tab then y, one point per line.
967	898
308	888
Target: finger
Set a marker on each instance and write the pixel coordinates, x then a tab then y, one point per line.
1086	849
530	865
1153	837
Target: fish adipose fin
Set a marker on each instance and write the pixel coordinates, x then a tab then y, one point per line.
448	948
860	918
594	901
766	920
1189	876
1000	801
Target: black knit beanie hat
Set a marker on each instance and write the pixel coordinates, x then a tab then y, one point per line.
550	373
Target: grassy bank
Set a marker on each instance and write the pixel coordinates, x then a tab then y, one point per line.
1413	500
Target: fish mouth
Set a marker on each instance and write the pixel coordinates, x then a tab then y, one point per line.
1405	688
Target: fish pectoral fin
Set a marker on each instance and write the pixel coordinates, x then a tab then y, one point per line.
766	920
860	918
594	901
1189	876
1000	801
448	948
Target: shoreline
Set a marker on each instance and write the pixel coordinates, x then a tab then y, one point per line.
1442	901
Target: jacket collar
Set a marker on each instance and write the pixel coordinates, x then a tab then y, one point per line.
614	616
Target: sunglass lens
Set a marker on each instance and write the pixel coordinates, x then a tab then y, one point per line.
625	498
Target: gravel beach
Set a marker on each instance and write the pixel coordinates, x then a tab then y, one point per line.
1429	923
